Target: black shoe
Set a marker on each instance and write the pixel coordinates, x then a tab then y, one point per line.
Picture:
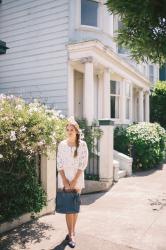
71	243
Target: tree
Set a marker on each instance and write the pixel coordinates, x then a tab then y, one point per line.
158	104
144	28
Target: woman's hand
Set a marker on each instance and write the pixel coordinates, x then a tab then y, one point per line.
66	184
73	183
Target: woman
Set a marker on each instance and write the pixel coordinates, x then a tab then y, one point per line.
72	159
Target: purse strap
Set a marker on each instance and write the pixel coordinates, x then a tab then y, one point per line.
70	190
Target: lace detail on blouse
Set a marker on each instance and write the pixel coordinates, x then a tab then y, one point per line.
70	164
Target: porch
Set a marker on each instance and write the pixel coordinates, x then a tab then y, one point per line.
102	85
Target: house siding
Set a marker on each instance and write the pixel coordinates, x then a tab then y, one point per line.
35	66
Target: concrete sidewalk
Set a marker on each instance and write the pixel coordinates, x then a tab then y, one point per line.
131	215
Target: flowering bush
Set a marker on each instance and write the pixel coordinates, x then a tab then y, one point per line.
27	127
26	130
145	142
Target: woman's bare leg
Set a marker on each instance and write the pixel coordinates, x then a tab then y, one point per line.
75	216
70	222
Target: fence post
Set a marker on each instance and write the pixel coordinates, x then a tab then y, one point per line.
106	151
48	179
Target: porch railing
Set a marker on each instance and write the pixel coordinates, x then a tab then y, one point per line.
92	170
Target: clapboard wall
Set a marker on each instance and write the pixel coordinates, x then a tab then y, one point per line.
35	66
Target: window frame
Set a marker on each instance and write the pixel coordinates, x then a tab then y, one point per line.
88	27
128	97
116	96
151	76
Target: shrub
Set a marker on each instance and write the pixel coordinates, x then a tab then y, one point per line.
121	142
26	130
145	142
158	104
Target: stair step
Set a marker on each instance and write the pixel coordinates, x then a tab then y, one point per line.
122	173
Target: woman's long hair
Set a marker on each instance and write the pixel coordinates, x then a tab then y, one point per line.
77	143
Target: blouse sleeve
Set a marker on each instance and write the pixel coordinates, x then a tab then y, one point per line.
60	162
83	158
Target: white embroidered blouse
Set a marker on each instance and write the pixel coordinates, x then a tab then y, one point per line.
70	164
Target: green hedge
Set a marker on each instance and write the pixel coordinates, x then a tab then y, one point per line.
145	142
158	104
20	191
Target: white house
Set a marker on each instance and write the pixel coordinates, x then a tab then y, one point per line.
63	52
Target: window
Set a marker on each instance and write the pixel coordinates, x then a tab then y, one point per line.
89	13
121	49
128	99
162	73
114	99
151	73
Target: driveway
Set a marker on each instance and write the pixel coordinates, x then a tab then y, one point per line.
131	215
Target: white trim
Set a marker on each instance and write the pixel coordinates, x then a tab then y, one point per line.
141	107
88	110
106	96
70	90
100	95
105	56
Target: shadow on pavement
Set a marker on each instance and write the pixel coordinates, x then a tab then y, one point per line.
87	199
142	173
61	246
33	231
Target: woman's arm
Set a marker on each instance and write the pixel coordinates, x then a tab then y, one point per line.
83	161
65	181
74	181
60	166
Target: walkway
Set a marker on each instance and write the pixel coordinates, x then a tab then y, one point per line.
132	215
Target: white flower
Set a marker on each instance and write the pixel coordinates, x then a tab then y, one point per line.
33	109
19	107
81	133
13	136
81	136
2	96
23	129
1	156
9	97
61	116
40	143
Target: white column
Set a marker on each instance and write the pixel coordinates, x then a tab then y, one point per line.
70	90
100	95
106	151
141	106
89	90
147	106
106	93
123	102
131	103
48	179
